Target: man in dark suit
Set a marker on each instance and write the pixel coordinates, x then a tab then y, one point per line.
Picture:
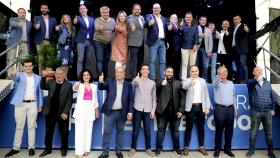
45	28
84	39
224	51
157	26
135	40
169	109
56	109
118	107
240	48
20	29
174	45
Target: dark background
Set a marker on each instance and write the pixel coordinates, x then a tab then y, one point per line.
215	10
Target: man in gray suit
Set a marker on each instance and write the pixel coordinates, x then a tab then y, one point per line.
135	40
205	48
20	29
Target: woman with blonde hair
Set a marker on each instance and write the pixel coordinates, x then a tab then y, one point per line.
119	45
86	111
65	42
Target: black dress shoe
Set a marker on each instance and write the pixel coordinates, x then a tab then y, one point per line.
216	153
103	156
63	153
44	153
229	153
11	153
271	155
119	155
31	152
250	153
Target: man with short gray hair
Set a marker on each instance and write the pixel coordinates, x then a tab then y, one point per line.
103	36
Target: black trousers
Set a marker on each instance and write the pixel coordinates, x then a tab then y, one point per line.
224	120
174	122
173	59
51	120
136	60
196	114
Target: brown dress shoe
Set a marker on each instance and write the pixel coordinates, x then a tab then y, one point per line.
131	152
202	151
150	153
186	151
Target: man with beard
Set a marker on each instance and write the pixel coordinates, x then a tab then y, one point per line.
135	40
45	28
169	110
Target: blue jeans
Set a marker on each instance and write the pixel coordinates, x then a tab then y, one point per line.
157	49
115	118
102	57
266	119
85	54
213	62
203	62
162	121
138	116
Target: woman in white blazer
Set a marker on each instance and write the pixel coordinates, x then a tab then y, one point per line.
86	111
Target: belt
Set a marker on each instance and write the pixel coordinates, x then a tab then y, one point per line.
28	101
161	39
116	110
24	41
46	39
225	106
196	104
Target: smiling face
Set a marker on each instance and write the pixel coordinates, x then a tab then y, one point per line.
258	72
105	14
28	67
44	9
120	73
156	9
122	17
66	19
145	71
21	13
194	72
188	18
174	19
136	10
225	25
202	21
83	10
86	77
169	73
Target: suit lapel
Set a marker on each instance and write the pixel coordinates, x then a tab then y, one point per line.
83	21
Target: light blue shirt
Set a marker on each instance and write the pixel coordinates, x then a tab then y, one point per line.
224	92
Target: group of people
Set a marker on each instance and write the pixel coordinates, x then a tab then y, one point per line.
143	99
123	41
139	101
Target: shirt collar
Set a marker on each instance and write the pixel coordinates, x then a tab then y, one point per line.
59	82
106	20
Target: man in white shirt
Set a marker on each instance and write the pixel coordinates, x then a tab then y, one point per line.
157	26
28	101
196	107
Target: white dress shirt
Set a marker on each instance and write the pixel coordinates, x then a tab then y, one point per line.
197	92
160	27
47	27
234	32
29	88
221	46
87	23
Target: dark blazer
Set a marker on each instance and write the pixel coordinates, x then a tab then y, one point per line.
228	43
40	34
163	95
241	40
66	96
83	30
174	38
16	31
127	96
153	31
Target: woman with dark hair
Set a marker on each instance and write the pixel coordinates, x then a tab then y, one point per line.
86	111
65	42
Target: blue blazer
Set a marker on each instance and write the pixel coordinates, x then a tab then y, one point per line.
40	34
153	31
20	84
127	96
83	30
16	31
